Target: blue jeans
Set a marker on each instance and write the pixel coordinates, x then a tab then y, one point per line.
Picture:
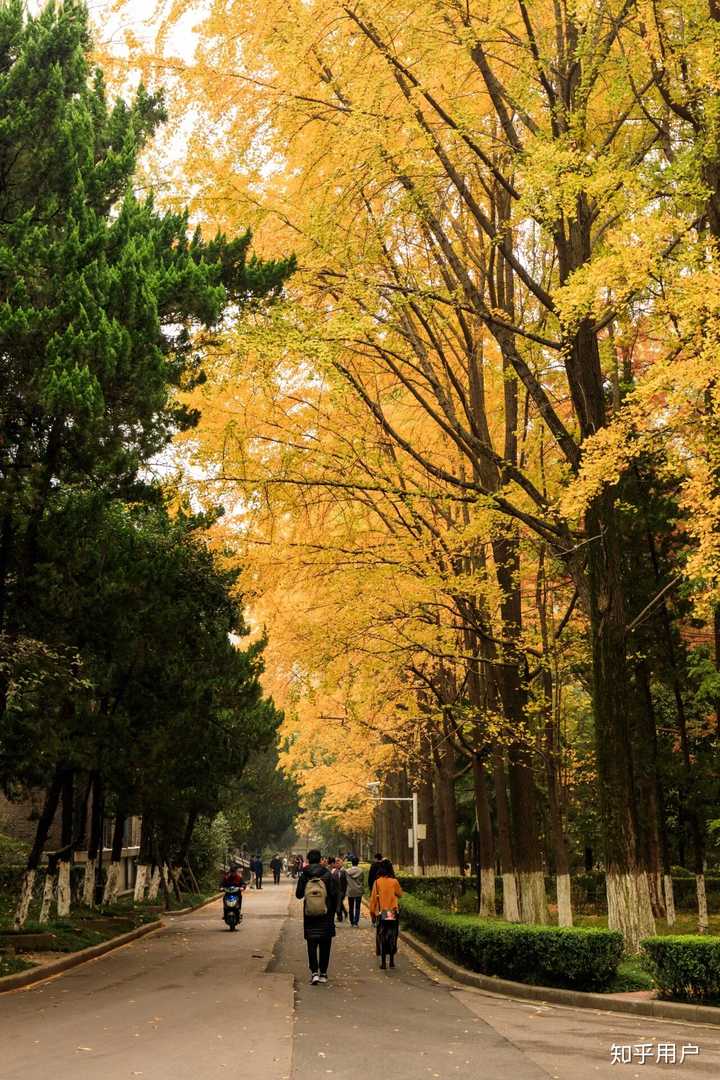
354	903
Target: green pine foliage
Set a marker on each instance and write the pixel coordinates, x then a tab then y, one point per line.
118	626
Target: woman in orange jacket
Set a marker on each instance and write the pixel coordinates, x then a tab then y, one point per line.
386	892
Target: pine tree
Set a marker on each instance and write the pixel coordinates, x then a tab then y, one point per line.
99	292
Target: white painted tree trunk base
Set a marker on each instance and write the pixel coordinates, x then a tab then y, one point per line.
63	890
88	889
23	904
487	891
564	900
669	899
112	883
141	880
533	901
629	907
511	902
154	886
702	904
48	897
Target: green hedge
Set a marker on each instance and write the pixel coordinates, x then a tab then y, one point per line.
588	890
686	968
581	959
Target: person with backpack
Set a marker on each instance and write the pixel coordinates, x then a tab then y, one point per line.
355	878
318	890
276	866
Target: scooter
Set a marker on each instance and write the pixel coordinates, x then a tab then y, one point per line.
232	900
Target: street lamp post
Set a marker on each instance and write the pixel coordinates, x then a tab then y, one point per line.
403	798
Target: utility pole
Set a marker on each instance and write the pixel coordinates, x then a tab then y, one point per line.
403	798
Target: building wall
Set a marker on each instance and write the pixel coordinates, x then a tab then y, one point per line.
19	819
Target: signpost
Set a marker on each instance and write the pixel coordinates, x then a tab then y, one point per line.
417	832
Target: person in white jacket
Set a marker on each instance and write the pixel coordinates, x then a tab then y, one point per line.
355	887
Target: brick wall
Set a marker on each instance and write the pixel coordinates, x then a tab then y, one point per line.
19	819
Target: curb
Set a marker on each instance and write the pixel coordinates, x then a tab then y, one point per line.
659	1010
46	971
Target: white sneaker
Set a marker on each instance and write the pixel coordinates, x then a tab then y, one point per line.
315	979
322	978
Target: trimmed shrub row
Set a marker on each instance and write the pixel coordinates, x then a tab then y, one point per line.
588	890
577	958
686	968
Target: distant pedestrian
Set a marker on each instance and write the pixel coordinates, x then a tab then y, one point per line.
355	885
276	865
338	872
257	868
318	889
374	869
385	910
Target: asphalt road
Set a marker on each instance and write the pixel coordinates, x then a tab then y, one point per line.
188	1002
194	1002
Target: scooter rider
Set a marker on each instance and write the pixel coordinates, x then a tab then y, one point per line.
233	879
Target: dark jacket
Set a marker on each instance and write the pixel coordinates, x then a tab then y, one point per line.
340	875
319	926
373	873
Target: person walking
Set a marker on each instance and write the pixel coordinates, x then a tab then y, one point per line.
276	866
257	869
355	885
318	890
386	892
374	869
340	875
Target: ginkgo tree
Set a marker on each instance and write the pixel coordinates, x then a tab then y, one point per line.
505	217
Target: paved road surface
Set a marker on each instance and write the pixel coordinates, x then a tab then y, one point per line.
194	1002
188	1002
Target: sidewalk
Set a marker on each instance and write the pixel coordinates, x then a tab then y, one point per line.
398	1023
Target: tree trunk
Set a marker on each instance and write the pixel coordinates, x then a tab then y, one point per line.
446	784
80	830
49	890
95	841
486	841
66	842
440	830
669	899
529	868
702	903
511	900
112	881
52	797
629	907
154	885
645	771
187	837
524	821
428	847
553	752
145	859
